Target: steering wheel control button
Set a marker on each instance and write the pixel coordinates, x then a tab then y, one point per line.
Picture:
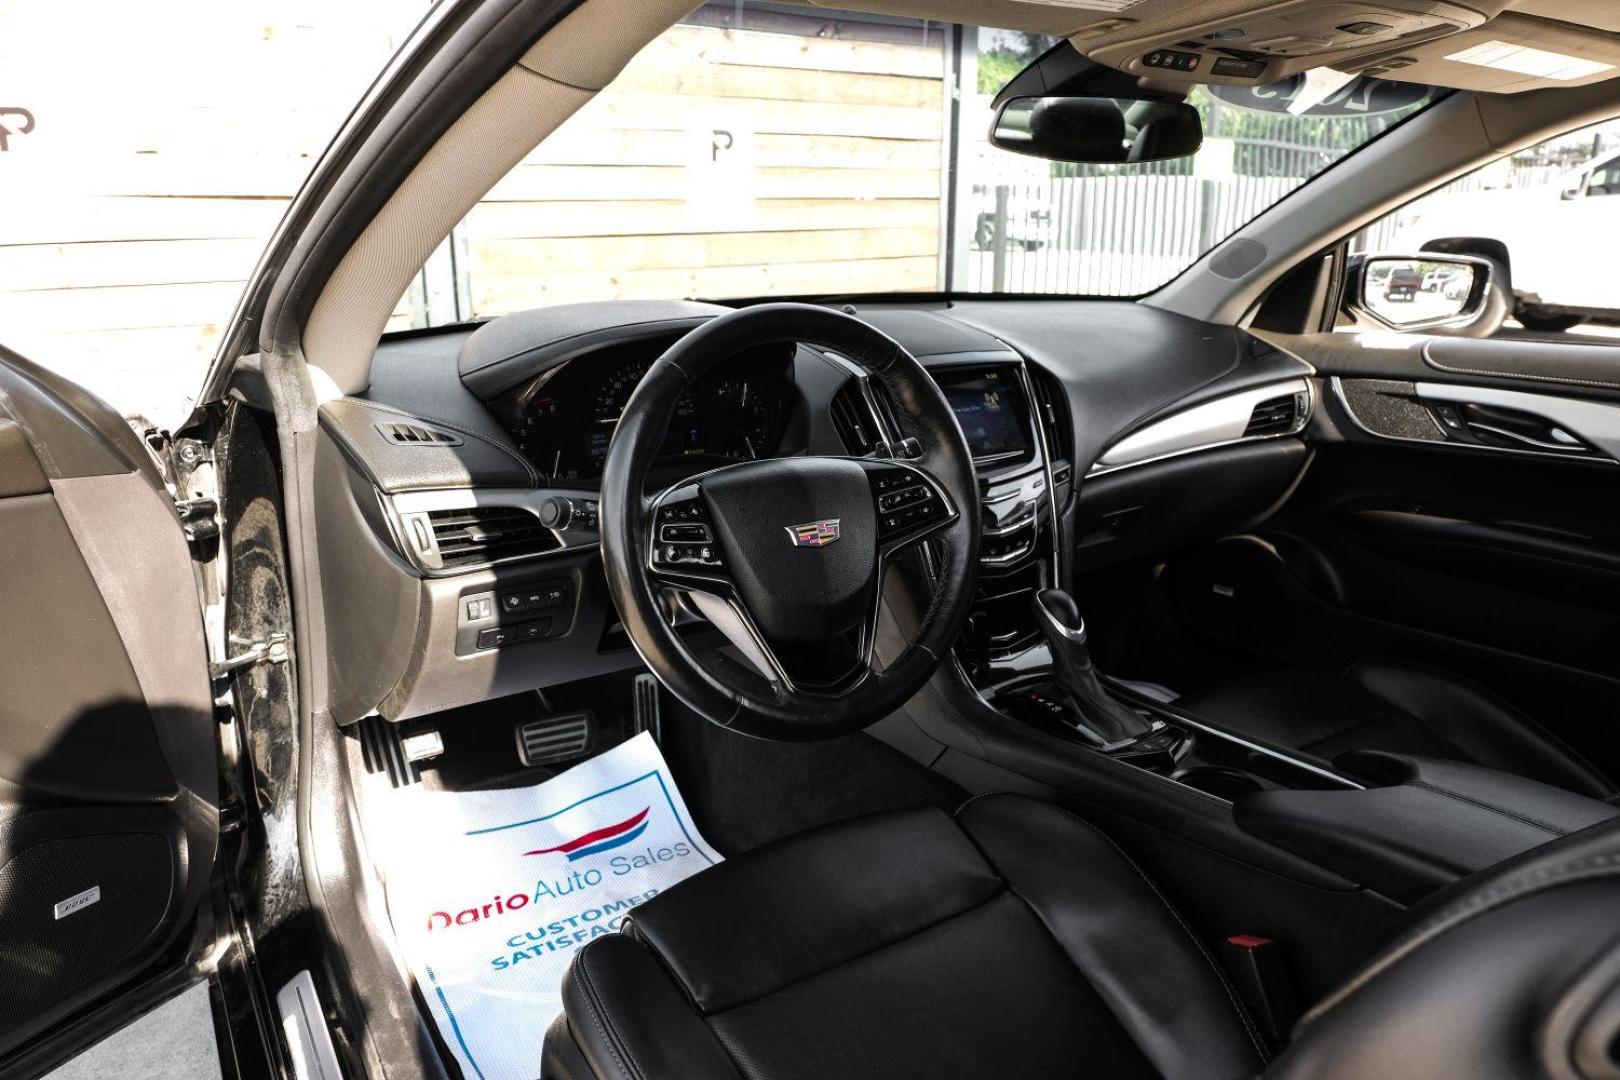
905	501
685	540
678	555
680	534
894	500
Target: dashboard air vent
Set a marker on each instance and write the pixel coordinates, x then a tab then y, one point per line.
1277	416
482	534
853	420
1051	414
405	434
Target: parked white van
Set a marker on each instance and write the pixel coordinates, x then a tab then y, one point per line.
1556	284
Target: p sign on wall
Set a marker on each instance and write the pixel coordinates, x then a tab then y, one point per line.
721	159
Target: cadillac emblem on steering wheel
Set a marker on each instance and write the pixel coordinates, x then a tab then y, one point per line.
814	533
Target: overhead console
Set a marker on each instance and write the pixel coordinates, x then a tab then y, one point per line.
1273	41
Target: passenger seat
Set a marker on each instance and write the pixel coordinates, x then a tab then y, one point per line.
1402	708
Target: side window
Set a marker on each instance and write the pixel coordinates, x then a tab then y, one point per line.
1605	180
1536	211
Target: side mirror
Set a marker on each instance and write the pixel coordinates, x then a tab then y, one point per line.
1570	193
1099	130
1452	294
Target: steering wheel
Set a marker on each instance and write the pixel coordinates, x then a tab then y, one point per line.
786	556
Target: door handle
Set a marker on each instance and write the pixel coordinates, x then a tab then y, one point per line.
1550	445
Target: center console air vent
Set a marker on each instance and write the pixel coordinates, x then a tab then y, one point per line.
1278	416
1053	416
852	417
405	434
484	534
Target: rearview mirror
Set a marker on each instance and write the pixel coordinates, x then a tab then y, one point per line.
1097	130
1424	292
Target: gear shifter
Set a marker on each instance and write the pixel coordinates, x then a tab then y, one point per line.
1098	718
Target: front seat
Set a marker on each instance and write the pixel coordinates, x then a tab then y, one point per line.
1396	707
1016	941
1012	940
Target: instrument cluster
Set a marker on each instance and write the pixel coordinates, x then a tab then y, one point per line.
564	419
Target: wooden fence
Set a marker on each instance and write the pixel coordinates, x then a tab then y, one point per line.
727	162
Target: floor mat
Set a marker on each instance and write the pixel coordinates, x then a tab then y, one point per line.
492	892
746	792
175	1041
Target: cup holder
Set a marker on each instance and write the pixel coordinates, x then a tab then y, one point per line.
1222	783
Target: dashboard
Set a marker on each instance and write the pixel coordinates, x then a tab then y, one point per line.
563	419
459	490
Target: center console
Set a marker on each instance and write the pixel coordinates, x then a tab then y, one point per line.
1010	421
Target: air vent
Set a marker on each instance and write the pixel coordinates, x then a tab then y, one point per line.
553	738
1051	416
405	434
1278	415
485	534
853	420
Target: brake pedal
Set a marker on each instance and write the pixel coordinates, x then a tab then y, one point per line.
551	739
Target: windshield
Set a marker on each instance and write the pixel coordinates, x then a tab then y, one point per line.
767	150
754	150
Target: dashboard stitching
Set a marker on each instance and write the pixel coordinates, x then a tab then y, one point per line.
1603	384
528	468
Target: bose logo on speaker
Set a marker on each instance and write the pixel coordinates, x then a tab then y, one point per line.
78	901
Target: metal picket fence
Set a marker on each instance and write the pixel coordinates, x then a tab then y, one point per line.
1127	235
1103	235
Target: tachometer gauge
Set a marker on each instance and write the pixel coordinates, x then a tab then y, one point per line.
748	418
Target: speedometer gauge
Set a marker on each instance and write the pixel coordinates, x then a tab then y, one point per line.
747	417
614	393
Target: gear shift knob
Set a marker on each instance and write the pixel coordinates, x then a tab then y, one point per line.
1099	718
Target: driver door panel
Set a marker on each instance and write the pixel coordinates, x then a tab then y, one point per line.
108	758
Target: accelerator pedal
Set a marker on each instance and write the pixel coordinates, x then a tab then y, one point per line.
644	699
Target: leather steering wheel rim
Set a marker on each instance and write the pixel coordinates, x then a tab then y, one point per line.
744	701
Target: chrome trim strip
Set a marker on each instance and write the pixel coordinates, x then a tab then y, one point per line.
1078	636
1210	729
1036	420
1009	558
1011	527
1213	424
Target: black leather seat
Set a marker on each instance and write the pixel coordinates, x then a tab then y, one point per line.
1019	942
1400	708
1011	941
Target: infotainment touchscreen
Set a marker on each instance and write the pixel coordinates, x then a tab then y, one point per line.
989	404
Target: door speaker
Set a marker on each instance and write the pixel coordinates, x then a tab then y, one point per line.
74	911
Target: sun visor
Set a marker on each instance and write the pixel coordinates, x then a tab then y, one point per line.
1508	55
